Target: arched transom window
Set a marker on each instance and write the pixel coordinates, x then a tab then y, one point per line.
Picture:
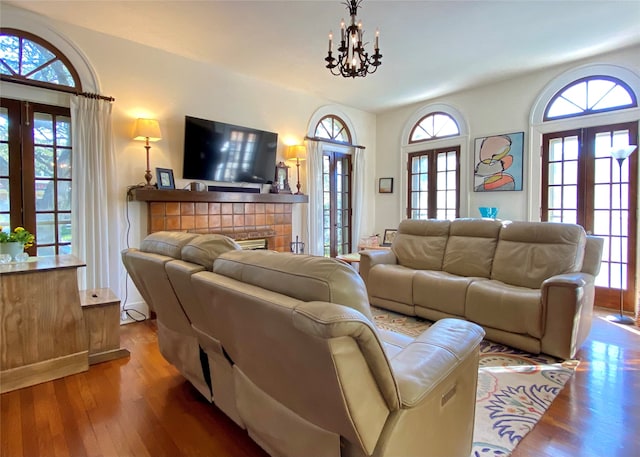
590	95
434	126
333	128
28	59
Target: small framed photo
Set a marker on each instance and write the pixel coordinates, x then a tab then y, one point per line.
389	236
165	178
385	186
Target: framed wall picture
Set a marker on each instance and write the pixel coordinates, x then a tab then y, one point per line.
389	236
385	185
498	162
164	177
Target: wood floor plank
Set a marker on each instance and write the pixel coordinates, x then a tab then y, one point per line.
11	431
142	407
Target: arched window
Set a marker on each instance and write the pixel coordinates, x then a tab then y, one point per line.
337	185
28	59
434	126
333	128
434	174
590	95
35	143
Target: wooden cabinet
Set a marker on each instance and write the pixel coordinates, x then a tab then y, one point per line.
43	334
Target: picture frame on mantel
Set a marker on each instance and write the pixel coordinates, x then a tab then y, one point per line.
281	179
164	176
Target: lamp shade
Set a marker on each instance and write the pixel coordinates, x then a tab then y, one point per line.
296	152
147	129
623	151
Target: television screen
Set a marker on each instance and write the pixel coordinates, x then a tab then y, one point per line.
216	151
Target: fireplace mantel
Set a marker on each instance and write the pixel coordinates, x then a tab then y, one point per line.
235	214
162	195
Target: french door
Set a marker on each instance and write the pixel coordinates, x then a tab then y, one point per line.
583	184
35	173
336	199
434	184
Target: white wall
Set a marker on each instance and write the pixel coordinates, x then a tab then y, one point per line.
502	107
148	82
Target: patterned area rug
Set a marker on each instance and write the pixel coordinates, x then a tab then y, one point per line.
515	388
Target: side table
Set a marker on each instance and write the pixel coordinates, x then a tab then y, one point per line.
101	312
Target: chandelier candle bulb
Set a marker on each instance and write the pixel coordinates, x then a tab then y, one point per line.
377	37
330	41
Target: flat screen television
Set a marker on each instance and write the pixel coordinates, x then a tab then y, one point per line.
216	151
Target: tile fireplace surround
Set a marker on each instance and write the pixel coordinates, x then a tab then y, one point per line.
237	215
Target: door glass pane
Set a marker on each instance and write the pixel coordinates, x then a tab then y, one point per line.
602	170
571	148
45	194
570	172
45	228
64	195
555	173
63	131
44	162
601	223
64	164
43	129
4	198
555	150
64	228
555	197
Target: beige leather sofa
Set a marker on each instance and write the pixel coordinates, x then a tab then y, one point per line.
294	357
530	285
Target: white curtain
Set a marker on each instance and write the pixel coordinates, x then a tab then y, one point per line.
358	195
94	215
314	209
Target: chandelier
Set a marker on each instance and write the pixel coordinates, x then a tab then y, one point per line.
352	59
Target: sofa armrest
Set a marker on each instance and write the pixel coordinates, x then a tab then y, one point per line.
567	302
429	359
370	258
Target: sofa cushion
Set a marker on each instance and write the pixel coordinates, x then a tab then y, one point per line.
204	249
306	278
530	252
471	246
392	282
505	307
441	291
420	244
166	243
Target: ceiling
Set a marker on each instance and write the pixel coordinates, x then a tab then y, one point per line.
430	48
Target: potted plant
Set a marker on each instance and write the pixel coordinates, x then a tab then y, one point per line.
14	242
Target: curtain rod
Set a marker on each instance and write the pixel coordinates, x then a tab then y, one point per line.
96	96
338	143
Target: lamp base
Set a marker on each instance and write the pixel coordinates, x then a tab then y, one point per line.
621	319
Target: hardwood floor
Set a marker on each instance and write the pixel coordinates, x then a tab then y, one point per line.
141	406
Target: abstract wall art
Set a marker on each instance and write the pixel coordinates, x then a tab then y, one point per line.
498	162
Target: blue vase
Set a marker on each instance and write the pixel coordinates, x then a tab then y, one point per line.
490	212
13	248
